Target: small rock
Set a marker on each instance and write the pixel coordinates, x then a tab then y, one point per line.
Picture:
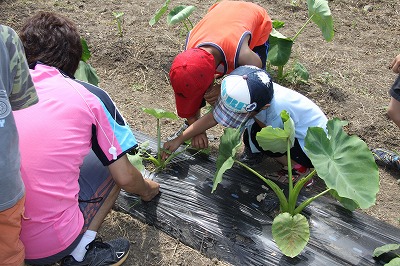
368	8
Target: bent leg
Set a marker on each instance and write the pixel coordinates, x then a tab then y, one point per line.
11	247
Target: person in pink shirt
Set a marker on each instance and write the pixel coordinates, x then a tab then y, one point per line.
73	153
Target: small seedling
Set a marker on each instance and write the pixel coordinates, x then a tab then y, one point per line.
145	153
343	162
119	18
281	46
178	14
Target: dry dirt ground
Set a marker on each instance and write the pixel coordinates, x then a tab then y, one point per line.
349	80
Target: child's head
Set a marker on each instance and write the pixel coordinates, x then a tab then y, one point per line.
192	72
53	40
243	93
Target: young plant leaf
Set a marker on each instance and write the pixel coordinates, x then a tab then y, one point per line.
276	139
385	249
393	262
344	162
179	13
280	48
320	14
159	113
87	73
300	71
277	24
229	144
85	51
159	13
137	161
118	15
291	233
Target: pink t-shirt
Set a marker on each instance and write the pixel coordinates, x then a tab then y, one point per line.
55	136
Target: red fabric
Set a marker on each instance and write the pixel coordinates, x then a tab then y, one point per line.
192	72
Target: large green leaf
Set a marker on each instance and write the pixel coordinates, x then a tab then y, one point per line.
159	13
280	48
159	113
344	162
320	14
385	249
393	262
87	73
291	233
229	144
276	139
179	14
347	203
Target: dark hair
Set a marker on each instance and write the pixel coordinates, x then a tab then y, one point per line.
53	40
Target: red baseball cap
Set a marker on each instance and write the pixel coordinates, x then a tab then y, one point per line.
191	73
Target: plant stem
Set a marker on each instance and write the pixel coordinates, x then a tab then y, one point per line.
308	201
158	140
186	26
290	181
191	24
279	193
302	28
280	72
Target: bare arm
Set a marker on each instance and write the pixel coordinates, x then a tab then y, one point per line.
395	65
212	94
130	179
200	126
247	56
394	111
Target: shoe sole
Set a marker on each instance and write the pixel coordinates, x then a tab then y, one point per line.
122	260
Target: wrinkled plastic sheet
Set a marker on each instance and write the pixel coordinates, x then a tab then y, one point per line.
232	225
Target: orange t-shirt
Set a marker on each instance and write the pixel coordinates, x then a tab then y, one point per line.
225	26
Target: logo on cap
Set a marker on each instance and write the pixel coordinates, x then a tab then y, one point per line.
231	103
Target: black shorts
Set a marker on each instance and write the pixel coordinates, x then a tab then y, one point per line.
395	89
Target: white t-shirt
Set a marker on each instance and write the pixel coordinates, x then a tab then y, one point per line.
304	112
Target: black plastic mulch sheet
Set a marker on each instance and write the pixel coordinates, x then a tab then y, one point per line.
232	225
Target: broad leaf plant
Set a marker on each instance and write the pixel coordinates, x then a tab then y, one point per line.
343	162
281	46
145	154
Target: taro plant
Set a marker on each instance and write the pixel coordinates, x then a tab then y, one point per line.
85	71
119	19
281	46
178	14
386	249
145	154
343	162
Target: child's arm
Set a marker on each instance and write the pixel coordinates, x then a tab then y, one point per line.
200	126
248	56
395	66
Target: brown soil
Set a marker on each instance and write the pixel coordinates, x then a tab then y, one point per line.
349	80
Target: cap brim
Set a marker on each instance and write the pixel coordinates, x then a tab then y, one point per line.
187	107
228	118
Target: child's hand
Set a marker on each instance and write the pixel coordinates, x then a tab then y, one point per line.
152	189
170	146
395	66
212	94
200	141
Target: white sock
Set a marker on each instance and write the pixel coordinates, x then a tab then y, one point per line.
80	250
